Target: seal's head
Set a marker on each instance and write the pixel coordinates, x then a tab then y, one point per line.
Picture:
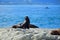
27	19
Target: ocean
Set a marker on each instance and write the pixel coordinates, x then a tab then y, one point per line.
39	15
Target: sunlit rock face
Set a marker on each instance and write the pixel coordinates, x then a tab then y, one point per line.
27	34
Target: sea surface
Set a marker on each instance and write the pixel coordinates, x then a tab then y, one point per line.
39	15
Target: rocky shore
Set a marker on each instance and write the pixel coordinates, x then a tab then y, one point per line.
27	34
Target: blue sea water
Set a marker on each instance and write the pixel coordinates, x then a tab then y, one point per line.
39	15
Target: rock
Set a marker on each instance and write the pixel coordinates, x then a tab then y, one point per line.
46	8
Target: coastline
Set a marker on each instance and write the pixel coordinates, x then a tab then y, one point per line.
27	34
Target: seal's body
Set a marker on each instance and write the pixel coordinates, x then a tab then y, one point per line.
17	26
26	23
55	32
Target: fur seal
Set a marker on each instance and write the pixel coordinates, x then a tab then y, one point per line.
30	26
55	32
25	25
